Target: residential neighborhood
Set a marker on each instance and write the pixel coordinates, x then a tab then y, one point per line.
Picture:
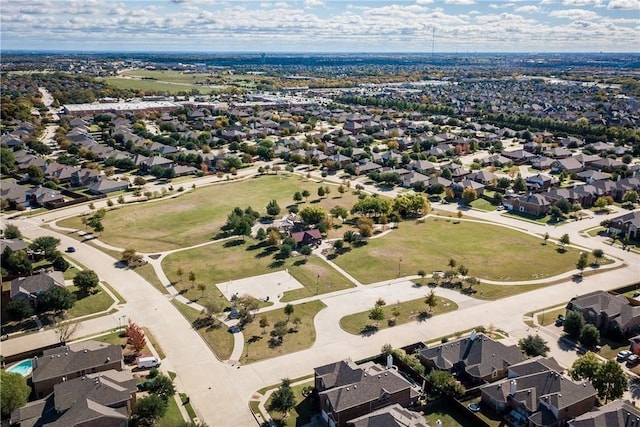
444	249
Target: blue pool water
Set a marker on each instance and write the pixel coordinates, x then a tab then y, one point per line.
23	368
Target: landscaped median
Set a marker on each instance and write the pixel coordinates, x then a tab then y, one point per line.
396	314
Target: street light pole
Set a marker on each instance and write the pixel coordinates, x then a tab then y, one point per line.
399	264
317	284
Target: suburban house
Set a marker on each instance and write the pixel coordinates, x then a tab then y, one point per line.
390	416
626	225
607	311
348	391
477	359
530	204
311	237
568	164
614	413
540	182
13	244
105	185
539	399
43	196
67	362
104	399
30	288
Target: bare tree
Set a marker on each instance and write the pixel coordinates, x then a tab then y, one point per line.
64	330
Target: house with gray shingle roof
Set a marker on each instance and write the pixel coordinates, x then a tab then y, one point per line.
478	357
615	413
67	362
390	416
32	287
607	311
347	391
105	399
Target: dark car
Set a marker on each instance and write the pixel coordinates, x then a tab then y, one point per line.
560	320
144	386
473	407
71	249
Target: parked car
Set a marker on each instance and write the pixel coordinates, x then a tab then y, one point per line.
633	360
623	355
473	407
148	362
71	249
144	386
560	320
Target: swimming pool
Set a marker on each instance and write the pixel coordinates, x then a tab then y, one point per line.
23	368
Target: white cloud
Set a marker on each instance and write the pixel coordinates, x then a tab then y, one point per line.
527	9
581	2
313	3
624	4
462	2
574	14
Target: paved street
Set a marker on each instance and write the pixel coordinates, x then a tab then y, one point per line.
220	392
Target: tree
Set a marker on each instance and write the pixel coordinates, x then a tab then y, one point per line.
273	238
386	350
297	197
545	237
341	190
283	399
583	261
15	392
519	184
162	386
273	208
264	322
585	367
350	237
463	270
610	381
306	251
212	308
376	314
598	254
380	302
422	274
130	257
630	197
469	194
306	195
64	330
564	205
288	310
58	299
431	300
180	273
573	324
202	287
86	281
135	336
120	200
36	174
601	202
443	384
192	277
452	263
148	410
533	345
321	192
242	228
339	212
46	246
313	214
564	240
12	232
139	181
19	310
589	336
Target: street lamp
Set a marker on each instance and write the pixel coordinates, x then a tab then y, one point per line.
317	284
399	264
120	322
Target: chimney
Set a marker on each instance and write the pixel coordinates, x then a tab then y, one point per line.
389	361
473	335
34	362
513	384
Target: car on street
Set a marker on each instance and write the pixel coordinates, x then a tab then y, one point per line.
623	355
633	360
560	320
71	249
473	407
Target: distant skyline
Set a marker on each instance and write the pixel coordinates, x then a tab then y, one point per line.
321	25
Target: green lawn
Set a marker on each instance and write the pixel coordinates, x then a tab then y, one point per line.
238	259
149	274
483	205
488	251
94	303
410	311
156	86
301	413
196	216
172	417
257	341
219	340
447	413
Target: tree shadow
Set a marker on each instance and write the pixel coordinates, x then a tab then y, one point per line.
300	262
233	243
277	263
561	250
259	245
423	316
266	252
369	330
332	255
254	339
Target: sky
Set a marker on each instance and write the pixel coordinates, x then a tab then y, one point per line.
322	25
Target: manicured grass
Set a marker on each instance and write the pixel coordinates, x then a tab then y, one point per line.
70	273
219	340
447	413
488	251
94	303
151	85
172	417
549	316
196	216
489	292
301	413
409	311
238	259
483	205
149	274
151	339
595	232
257	344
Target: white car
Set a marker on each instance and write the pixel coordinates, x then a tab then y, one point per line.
623	355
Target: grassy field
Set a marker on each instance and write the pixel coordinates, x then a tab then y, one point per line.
488	251
301	413
219	340
257	344
196	217
156	86
236	259
410	311
483	205
94	303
